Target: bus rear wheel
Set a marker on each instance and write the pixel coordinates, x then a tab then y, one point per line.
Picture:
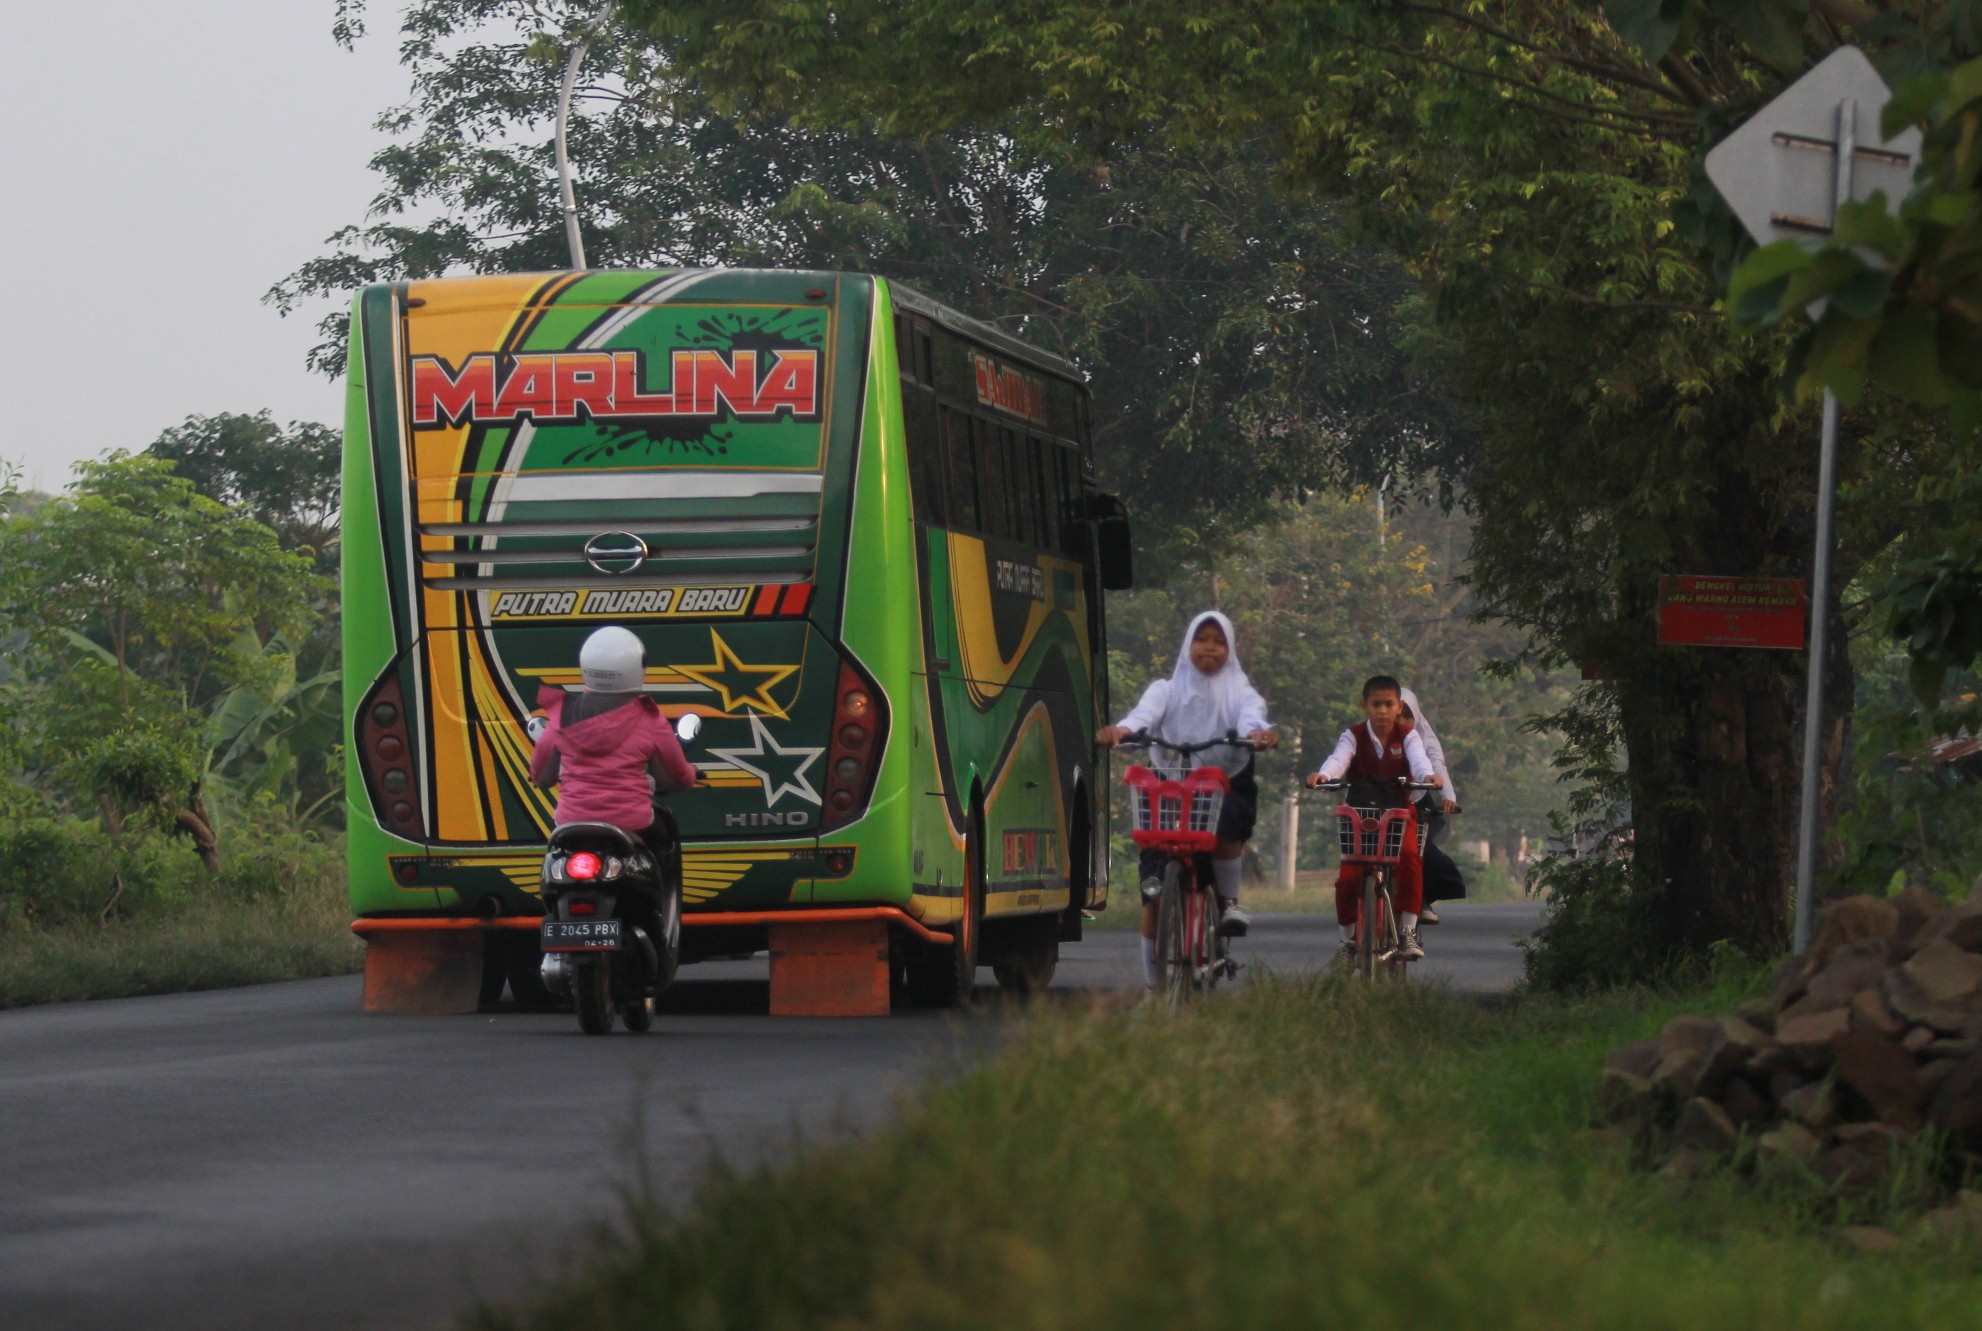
1030	955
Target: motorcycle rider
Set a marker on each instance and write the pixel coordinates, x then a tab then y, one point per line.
607	748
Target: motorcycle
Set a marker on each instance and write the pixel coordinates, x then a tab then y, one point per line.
611	935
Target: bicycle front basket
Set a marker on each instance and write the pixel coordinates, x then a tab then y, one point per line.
1179	815
1373	836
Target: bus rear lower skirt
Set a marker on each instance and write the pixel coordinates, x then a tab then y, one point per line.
827	963
422	971
824	963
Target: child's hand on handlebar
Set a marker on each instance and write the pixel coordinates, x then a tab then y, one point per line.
1265	739
1109	736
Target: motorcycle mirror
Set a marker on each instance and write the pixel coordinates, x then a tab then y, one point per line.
686	728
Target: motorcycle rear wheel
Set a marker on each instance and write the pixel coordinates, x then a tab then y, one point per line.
591	986
638	1013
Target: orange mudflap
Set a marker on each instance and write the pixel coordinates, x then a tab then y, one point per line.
423	972
830	970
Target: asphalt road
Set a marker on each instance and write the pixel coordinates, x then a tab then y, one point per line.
269	1157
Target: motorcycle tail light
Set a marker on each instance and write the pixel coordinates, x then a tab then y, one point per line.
859	724
584	907
584	865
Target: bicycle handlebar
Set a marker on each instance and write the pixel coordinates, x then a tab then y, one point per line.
1403	783
1142	739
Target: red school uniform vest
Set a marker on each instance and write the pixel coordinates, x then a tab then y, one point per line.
1379	762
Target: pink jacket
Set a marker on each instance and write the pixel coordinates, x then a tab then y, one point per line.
608	764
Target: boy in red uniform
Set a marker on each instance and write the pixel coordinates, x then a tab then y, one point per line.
1374	755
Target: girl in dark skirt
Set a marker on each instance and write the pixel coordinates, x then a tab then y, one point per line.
1207	696
1443	881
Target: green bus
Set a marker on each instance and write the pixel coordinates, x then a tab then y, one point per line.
859	536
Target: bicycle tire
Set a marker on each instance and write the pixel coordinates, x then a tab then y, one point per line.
1367	925
1172	968
1207	938
1392	966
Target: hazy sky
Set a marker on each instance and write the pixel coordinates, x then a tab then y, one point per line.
166	161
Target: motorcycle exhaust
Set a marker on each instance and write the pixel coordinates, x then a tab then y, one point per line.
556	976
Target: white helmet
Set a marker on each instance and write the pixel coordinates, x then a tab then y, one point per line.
613	661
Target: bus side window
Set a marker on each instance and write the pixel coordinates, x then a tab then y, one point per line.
1012	463
993	518
905	349
1045	531
1066	463
925	453
963	470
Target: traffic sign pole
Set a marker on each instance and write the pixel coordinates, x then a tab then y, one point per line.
1820	592
1770	172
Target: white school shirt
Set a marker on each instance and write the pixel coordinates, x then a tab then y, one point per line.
1336	764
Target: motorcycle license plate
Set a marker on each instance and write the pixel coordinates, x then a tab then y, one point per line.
580	935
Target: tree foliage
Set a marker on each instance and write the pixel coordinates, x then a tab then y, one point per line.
1241	351
1535	164
139	604
287	479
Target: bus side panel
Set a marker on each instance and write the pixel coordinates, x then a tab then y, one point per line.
1012	712
370	621
877	615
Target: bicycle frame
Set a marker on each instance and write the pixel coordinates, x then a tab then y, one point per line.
1376	840
1178	816
1376	929
1190	957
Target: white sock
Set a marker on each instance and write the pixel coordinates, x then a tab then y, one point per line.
1149	962
1409	918
1225	877
1348	933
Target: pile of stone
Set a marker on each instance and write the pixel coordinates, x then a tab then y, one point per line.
1870	1039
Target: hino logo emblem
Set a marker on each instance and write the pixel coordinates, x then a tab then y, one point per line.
616	552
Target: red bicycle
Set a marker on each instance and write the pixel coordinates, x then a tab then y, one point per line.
1374	838
1178	815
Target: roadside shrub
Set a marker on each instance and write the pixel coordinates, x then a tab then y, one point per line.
1593	935
273	858
51	870
64	871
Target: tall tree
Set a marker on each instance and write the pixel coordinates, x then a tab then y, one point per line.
1535	164
286	478
1240	352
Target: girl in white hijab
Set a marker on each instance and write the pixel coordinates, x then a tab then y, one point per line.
1207	696
1443	881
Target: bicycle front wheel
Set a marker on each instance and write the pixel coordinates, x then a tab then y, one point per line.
1369	935
1204	936
1173	937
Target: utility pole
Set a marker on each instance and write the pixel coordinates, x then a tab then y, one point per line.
1290	831
566	193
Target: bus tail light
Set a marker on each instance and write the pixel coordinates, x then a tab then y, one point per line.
385	756
860	723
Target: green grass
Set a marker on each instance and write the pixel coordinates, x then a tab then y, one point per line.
233	940
1302	1155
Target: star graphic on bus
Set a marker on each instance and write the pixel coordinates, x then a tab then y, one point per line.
781	770
740	685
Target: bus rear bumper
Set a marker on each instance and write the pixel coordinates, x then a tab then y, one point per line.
825	962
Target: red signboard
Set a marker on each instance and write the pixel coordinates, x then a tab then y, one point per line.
1733	612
